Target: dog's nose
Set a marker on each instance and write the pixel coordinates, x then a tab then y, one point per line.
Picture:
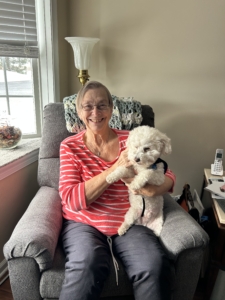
137	159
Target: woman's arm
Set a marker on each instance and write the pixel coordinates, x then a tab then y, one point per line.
155	190
75	193
98	184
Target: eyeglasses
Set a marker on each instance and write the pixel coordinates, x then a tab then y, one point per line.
90	107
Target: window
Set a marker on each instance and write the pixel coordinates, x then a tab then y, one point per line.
17	96
21	64
18	65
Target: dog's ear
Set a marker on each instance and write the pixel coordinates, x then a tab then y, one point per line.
166	144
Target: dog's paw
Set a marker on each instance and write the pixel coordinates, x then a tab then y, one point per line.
123	229
157	231
156	228
135	186
121	232
110	178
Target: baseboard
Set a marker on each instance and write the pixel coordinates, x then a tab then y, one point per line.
4	274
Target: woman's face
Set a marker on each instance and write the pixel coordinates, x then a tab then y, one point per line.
95	111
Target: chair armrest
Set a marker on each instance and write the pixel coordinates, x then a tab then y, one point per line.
180	231
37	232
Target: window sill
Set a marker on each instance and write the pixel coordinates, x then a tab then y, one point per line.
15	159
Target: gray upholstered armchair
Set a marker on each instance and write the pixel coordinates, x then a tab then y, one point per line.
34	254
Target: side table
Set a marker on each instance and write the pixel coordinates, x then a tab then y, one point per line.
217	239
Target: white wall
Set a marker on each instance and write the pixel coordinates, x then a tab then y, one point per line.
168	54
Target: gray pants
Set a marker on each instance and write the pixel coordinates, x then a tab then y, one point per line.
88	256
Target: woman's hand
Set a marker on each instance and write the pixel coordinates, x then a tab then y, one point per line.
98	184
122	160
151	190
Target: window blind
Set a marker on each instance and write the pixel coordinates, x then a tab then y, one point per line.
18	33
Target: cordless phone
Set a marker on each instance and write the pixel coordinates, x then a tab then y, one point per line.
217	167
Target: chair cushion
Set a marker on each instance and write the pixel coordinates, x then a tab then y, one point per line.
48	166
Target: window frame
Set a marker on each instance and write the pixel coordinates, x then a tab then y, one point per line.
47	31
37	99
46	67
53	93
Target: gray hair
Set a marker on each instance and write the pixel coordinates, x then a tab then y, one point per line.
91	85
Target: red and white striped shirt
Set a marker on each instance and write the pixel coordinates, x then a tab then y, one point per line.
77	165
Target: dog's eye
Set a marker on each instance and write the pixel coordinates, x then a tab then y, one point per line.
146	149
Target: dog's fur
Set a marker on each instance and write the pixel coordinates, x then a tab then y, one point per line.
145	145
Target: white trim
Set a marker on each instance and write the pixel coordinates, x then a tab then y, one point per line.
3	271
55	52
48	49
18	164
37	98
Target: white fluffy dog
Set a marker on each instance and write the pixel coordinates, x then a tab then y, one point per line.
145	146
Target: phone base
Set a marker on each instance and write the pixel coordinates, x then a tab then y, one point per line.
213	172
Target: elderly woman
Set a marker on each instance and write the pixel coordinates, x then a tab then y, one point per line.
93	210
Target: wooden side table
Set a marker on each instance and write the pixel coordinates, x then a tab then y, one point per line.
217	238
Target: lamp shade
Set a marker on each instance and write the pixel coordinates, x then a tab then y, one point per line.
82	48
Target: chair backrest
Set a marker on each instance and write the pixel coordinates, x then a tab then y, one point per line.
54	132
